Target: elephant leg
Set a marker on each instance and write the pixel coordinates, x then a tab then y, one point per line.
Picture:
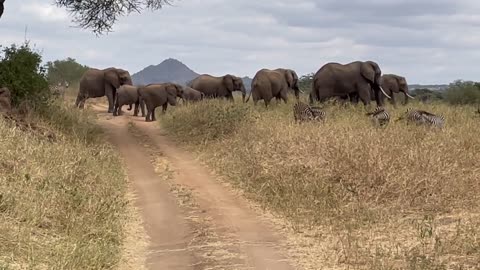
135	110
164	108
110	98
364	94
284	96
393	102
142	107
148	116
154	118
120	110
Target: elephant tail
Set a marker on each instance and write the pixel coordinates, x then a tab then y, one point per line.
251	91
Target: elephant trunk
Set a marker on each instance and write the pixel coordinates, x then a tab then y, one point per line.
297	92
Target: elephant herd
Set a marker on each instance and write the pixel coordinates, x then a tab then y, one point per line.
356	81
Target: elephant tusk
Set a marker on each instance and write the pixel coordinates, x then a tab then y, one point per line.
409	96
384	92
301	91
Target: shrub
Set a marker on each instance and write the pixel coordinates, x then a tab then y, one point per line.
22	73
463	92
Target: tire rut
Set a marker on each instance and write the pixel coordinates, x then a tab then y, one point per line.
213	228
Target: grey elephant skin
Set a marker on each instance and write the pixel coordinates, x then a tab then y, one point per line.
268	84
156	95
128	95
5	100
334	80
218	87
102	82
393	84
192	95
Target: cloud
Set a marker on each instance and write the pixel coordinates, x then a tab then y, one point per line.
425	41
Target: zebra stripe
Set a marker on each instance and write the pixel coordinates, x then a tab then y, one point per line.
303	112
380	116
421	117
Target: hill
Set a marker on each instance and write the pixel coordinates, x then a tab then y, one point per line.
171	70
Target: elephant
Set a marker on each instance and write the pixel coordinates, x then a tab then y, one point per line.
5	100
192	95
392	84
338	80
218	87
156	95
102	82
268	84
128	95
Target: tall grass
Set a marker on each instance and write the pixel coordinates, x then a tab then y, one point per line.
347	174
62	202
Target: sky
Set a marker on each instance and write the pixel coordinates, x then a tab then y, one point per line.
428	42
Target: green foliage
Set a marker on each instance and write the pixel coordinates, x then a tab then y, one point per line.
22	73
427	94
305	82
463	92
65	70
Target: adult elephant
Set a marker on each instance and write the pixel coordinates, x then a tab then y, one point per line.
335	80
218	87
394	84
156	95
102	82
268	84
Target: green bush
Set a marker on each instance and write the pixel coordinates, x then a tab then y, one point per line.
65	70
463	92
22	73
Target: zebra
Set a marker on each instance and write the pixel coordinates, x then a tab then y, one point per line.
304	112
421	117
380	116
318	114
59	89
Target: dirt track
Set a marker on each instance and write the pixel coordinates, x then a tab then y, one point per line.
214	229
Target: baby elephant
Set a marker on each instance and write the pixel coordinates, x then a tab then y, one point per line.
128	95
156	95
192	95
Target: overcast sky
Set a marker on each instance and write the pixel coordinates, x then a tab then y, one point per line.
434	41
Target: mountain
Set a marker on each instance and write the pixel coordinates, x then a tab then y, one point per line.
170	70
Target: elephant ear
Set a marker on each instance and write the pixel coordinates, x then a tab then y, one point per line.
112	78
368	72
180	90
124	77
289	77
228	82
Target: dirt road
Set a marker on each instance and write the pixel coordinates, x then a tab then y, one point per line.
192	220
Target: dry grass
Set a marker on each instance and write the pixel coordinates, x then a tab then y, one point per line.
62	202
399	197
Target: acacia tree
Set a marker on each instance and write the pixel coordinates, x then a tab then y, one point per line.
100	15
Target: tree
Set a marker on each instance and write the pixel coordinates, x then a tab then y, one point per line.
65	70
22	73
305	82
463	92
1	7
100	15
